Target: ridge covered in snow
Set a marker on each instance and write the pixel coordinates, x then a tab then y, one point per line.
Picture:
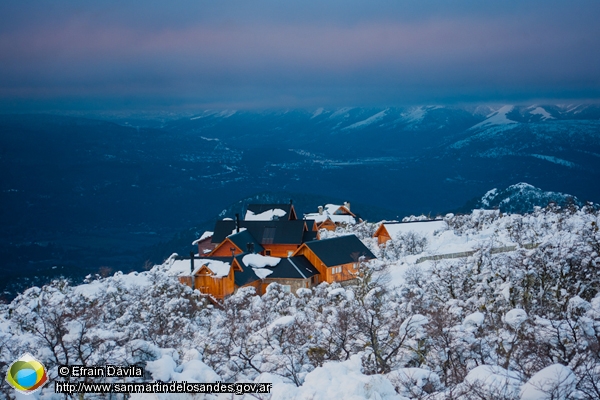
523	196
496	118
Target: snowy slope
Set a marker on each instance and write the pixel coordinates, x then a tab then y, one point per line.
451	327
496	118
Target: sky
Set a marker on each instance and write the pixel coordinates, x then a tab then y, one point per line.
146	54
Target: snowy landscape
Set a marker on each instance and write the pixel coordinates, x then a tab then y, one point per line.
303	200
522	322
112	192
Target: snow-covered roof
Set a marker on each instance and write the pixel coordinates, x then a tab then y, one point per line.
426	228
260	261
331	208
182	267
219	268
262	273
334	212
259	264
236	231
205	235
267	215
341	219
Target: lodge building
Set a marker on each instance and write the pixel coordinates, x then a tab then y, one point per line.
271	245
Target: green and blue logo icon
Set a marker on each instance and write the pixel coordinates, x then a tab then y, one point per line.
26	374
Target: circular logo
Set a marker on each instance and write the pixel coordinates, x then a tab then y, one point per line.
26	374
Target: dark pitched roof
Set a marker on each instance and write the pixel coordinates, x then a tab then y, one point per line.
223	228
246	275
339	250
204	259
309	236
243	238
294	267
261	208
288	268
264	232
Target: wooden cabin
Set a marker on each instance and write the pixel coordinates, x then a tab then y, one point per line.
336	259
382	233
278	238
272	232
331	216
214	276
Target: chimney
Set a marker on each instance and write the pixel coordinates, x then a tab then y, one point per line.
291	202
237	223
250	247
347	205
320	210
192	269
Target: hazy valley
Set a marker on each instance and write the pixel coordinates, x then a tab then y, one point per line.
81	193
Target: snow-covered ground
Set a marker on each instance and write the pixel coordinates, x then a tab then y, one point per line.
518	324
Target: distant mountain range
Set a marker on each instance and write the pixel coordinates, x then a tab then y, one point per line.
80	194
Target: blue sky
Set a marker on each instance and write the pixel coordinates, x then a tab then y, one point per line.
264	53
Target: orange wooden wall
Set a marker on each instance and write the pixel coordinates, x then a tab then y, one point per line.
280	250
224	249
218	287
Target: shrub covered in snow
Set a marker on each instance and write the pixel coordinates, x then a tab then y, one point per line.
520	321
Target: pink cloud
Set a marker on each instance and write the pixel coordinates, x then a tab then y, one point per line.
451	52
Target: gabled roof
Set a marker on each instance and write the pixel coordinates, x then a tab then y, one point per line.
336	213
310	236
297	267
420	227
223	228
219	266
205	236
242	239
245	276
338	210
311	224
339	250
264	232
269	212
